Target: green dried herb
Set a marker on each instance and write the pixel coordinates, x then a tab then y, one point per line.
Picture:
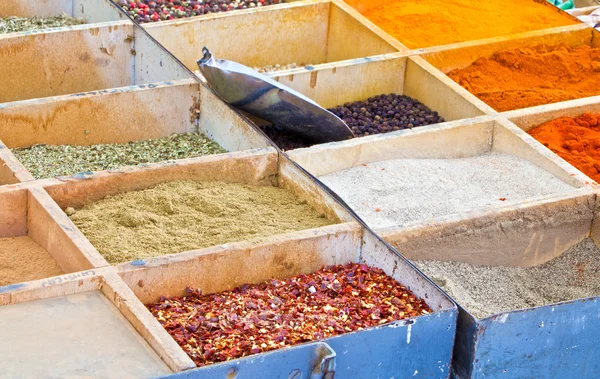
22	24
44	161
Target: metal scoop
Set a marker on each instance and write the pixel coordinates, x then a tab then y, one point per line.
263	97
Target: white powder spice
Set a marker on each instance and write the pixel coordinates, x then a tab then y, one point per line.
487	290
403	191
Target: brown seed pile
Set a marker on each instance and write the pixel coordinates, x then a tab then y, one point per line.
184	215
22	259
375	115
252	319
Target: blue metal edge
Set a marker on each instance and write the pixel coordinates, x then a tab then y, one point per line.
416	347
552	341
277	364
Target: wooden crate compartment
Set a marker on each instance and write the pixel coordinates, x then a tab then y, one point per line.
32	225
527	119
520	234
453	32
100	325
458	56
223	269
262	167
335	84
123	115
11	170
311	33
80	59
90	11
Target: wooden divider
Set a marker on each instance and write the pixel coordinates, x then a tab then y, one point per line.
304	32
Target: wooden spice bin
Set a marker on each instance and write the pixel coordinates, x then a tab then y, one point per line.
98	321
11	170
479	236
335	84
30	212
261	167
304	32
457	56
81	58
123	115
424	342
91	12
527	119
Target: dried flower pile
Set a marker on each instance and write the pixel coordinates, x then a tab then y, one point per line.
44	161
22	24
252	319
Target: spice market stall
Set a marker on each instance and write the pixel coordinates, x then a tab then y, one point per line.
142	215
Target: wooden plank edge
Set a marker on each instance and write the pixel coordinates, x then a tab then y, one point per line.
14	166
65	226
66	29
144	323
228	248
552	162
488	41
371	26
464	93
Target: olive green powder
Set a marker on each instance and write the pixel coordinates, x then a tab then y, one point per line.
14	24
45	161
184	215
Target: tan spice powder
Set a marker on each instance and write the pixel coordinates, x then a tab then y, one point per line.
184	215
22	259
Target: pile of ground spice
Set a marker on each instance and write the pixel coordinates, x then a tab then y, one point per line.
45	161
277	67
576	140
22	259
424	23
253	319
184	215
488	290
403	191
15	24
376	115
526	77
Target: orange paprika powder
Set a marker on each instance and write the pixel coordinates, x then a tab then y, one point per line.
527	77
424	23
576	140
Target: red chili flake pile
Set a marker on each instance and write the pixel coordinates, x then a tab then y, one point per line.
252	319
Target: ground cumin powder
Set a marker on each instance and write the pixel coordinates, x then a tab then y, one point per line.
526	77
22	259
184	215
576	140
424	23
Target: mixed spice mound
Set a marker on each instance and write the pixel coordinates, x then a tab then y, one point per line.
185	215
144	11
256	318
